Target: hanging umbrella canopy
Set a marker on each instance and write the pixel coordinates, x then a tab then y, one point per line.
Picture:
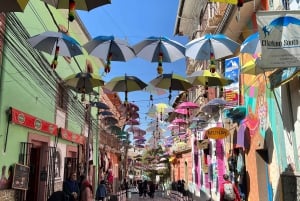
181	111
109	120
153	47
83	82
125	84
172	82
49	41
114	129
99	105
132	122
187	105
105	113
219	44
80	5
214	105
136	130
105	47
207	78
251	44
159	49
13	5
178	121
129	107
155	90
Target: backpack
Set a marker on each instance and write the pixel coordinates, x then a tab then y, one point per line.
229	192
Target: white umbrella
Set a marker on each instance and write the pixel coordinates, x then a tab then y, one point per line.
218	44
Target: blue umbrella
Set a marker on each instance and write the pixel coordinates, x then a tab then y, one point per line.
251	44
218	44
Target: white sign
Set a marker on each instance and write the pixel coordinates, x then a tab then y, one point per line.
279	38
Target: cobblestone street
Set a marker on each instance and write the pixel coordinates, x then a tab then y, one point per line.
157	197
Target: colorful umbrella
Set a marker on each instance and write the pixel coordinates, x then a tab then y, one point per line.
187	105
132	122
159	49
178	121
125	84
251	44
13	5
207	78
105	113
214	105
136	130
109	120
219	45
155	90
110	49
181	111
83	82
55	43
72	5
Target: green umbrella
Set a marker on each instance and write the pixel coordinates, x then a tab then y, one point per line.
83	82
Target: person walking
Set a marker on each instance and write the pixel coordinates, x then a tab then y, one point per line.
101	192
86	191
71	188
145	188
228	191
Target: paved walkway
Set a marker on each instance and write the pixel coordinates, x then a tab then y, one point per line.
157	197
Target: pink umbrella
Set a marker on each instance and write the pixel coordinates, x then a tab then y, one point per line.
173	127
187	105
132	122
178	121
129	107
181	111
136	130
138	137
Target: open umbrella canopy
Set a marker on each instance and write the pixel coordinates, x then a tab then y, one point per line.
79	5
125	83
83	82
251	44
136	130
110	49
56	43
13	5
132	122
99	105
207	78
155	90
159	49
152	48
217	44
171	81
105	113
109	120
187	105
214	105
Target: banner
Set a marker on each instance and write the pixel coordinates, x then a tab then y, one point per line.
232	72
279	37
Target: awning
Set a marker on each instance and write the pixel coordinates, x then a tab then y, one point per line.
282	76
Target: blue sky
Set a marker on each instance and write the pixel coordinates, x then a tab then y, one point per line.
135	20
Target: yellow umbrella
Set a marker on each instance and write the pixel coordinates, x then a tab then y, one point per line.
251	68
13	5
207	78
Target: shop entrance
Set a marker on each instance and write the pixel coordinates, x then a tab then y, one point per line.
34	174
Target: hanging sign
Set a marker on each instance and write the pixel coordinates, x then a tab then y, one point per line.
279	38
29	121
72	137
21	177
217	133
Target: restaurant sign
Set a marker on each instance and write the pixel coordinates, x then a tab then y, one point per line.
217	133
72	137
29	121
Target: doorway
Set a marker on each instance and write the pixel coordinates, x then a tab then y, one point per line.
31	194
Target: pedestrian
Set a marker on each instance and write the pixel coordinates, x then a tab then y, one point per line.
71	188
101	192
228	191
125	187
151	189
145	188
140	188
86	191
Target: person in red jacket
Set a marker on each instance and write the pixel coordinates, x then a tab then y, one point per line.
228	191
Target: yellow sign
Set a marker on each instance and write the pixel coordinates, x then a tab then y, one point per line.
217	133
225	1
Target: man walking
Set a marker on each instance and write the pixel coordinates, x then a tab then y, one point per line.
228	191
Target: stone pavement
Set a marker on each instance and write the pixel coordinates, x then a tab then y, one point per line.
157	197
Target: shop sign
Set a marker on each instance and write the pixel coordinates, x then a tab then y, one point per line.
29	121
72	137
217	133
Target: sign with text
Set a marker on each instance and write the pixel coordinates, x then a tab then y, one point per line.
232	72
217	133
279	38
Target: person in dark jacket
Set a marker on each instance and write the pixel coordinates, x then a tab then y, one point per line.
58	196
71	188
101	192
140	188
